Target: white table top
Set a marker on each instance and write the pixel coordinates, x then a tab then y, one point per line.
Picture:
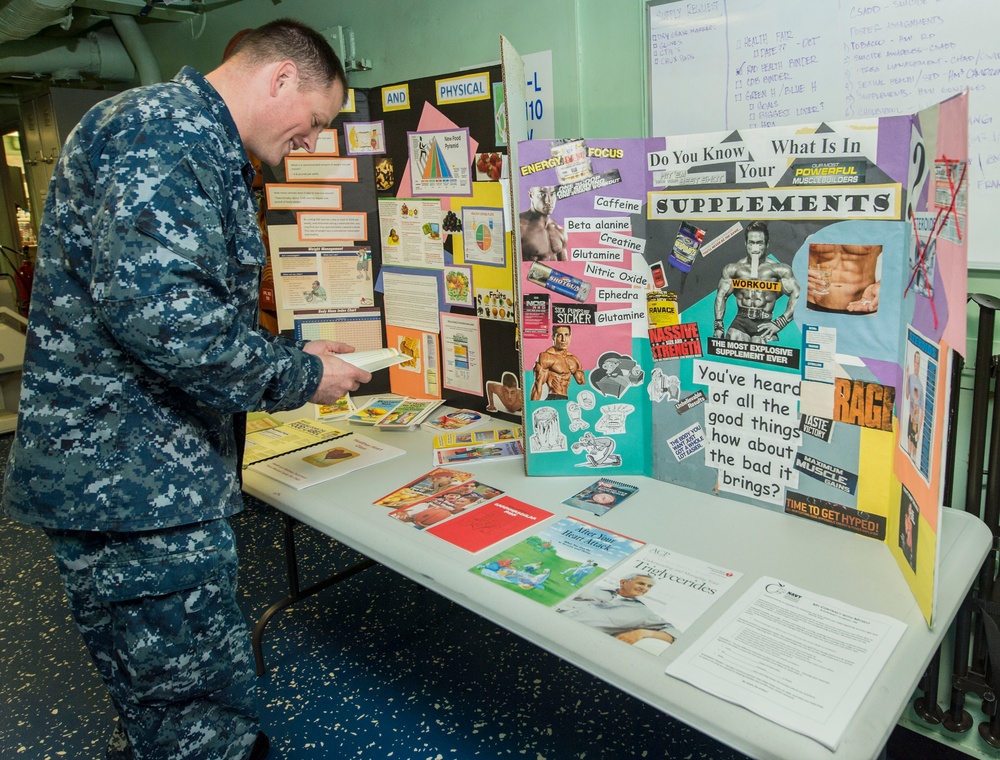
754	541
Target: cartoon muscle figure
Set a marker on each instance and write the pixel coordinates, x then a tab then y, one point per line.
600	452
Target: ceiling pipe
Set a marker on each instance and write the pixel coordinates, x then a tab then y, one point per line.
138	48
168	10
99	54
21	19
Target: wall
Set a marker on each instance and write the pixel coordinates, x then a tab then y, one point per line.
598	61
597	48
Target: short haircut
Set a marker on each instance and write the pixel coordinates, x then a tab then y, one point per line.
559	327
756	226
288	40
633	576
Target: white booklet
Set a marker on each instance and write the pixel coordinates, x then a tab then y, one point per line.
376	358
326	460
650	598
799	659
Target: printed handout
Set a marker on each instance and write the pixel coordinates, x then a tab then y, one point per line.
327	460
267	440
799	659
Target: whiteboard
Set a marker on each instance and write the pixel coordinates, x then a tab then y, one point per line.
732	64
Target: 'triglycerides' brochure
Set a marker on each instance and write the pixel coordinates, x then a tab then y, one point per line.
651	598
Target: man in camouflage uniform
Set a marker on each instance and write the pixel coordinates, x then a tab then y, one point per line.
142	342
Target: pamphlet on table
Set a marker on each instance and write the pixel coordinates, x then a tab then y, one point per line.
376	409
478	445
473	437
541	566
437	481
479	452
395	412
490	524
409	415
327	460
446	505
649	599
799	659
601	495
267	437
457	420
342	407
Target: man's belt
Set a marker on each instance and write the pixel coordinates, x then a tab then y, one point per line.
753	313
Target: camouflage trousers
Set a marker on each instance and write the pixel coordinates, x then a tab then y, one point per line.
158	613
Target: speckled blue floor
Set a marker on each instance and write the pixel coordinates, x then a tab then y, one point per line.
374	667
378	667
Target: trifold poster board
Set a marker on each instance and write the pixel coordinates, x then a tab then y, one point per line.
396	232
765	314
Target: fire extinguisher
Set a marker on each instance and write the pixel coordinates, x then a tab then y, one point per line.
25	279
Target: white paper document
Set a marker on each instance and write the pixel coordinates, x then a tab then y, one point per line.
325	461
799	659
376	358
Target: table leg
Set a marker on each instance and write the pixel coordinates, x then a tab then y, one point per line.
294	592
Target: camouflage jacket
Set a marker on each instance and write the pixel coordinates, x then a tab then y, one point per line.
143	336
